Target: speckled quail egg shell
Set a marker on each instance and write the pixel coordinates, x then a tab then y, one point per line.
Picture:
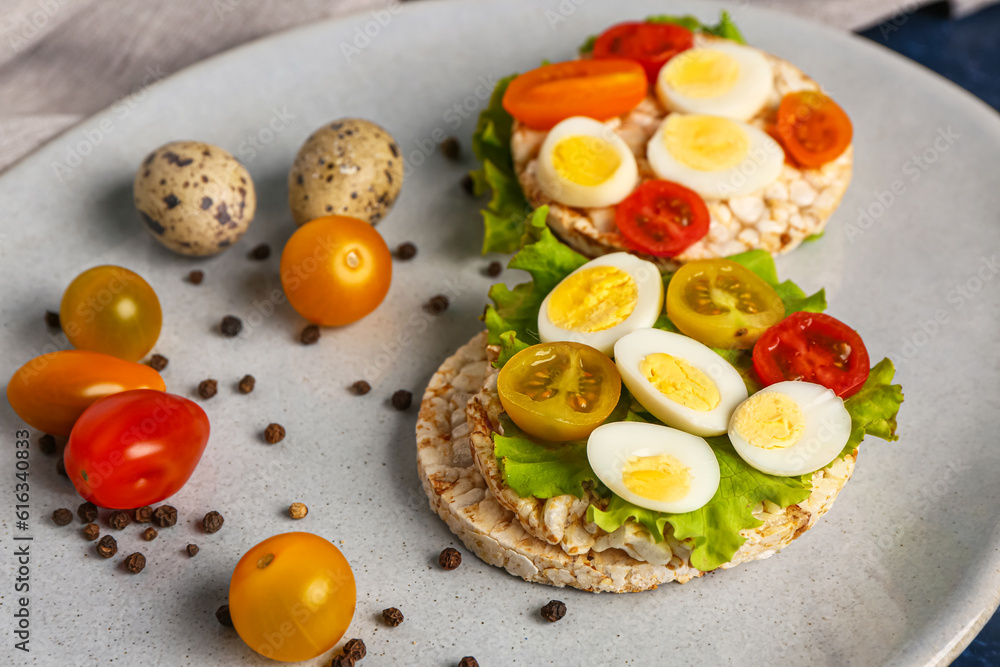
194	198
349	167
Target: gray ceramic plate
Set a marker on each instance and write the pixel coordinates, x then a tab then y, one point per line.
904	570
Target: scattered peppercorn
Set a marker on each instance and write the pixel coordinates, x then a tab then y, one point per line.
342	660
165	516
61	468
309	335
107	547
119	520
392	616
149	534
469	185
406	250
247	384
52	320
91	531
231	326
144	514
450	559
274	433
212	522
47	444
554	611
62	517
451	149
494	269
361	387
437	305
356	649
208	388
402	399
87	512
222	614
468	661
135	563
192	550
298	510
195	277
158	362
260	252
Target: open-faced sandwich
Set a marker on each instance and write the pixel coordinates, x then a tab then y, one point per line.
668	139
615	428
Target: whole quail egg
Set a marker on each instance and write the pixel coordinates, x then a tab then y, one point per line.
350	167
194	198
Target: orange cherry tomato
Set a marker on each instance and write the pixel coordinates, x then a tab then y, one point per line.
111	310
292	597
649	44
812	128
51	391
600	89
335	270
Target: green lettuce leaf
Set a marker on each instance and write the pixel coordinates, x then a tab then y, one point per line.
505	214
542	470
724	28
874	408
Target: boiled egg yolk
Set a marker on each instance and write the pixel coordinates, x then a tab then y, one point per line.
705	143
702	73
660	477
593	299
585	160
680	381
769	420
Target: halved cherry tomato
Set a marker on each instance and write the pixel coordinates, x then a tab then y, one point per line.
815	348
112	310
335	270
51	391
559	391
662	218
649	44
135	448
598	89
722	304
812	128
292	597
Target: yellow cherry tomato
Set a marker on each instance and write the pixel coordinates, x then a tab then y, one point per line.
335	270
111	310
559	391
722	304
292	597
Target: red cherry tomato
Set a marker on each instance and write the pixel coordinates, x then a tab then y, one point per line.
662	218
815	348
649	44
812	128
135	448
598	89
50	392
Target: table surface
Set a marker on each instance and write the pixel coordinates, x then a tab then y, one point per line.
967	52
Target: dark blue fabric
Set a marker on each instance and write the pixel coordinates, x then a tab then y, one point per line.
966	51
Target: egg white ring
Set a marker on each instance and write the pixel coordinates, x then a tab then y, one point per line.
610	446
743	101
630	350
608	193
827	429
648	306
759	168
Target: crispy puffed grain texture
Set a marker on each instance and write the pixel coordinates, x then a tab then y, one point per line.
776	219
549	541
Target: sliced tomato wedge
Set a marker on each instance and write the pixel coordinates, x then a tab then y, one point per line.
813	347
598	89
662	218
812	128
649	44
